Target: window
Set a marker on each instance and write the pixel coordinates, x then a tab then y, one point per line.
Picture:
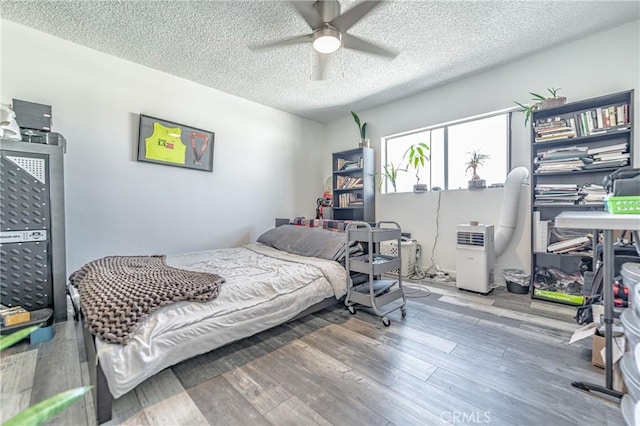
450	146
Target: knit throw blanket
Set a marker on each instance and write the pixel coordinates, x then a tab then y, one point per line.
118	292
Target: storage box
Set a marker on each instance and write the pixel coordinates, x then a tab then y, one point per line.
30	115
409	254
596	350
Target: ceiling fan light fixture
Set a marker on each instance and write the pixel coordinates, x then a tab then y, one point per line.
327	40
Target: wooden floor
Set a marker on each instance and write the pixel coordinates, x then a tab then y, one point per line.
457	358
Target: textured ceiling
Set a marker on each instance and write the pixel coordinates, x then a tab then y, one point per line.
206	42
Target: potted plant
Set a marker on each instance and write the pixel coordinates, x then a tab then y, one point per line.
417	155
477	159
362	128
389	173
541	102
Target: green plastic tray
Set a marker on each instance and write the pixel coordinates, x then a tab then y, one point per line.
624	205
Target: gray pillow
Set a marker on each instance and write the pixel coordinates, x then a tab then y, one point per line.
312	242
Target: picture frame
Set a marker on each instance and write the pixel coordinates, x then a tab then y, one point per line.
166	142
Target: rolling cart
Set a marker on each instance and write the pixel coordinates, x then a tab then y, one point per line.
376	292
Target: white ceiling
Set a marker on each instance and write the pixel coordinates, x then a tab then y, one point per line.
206	42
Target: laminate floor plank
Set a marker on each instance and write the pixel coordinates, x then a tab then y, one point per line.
57	370
260	389
563	368
16	381
369	392
455	357
507	313
506	376
180	409
293	412
464	307
158	387
201	368
88	397
127	410
513	410
359	346
318	393
221	404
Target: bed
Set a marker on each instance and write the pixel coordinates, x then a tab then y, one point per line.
290	272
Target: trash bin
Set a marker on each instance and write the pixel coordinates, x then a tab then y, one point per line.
517	280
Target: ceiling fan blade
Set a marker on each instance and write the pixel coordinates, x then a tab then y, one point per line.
353	15
308	13
356	43
307	38
320	69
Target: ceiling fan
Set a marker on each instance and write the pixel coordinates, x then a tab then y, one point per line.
329	31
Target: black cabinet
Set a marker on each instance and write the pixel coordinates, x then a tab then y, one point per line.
574	147
32	227
353	185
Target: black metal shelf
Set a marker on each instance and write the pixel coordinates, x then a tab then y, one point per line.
544	212
583	139
578	172
348	171
360	188
364	158
569	206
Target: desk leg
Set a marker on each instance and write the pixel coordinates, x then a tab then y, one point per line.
607	288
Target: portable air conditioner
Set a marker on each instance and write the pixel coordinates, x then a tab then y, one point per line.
475	257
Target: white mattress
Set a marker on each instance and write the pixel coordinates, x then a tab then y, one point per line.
264	287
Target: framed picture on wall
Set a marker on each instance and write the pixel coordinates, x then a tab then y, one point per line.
165	142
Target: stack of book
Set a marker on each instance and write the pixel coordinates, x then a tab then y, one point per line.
350	199
557	194
609	156
593	194
348	164
553	129
606	119
346	182
562	159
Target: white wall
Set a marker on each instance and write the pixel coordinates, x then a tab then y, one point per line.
597	65
116	205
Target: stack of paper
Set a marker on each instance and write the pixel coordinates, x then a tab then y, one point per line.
609	156
593	194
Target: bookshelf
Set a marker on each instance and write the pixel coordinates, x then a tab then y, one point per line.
574	146
353	185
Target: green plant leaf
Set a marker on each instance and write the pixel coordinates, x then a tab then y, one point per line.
356	119
45	410
524	107
363	131
553	91
13	338
537	97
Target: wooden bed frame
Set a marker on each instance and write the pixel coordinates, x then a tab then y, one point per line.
102	398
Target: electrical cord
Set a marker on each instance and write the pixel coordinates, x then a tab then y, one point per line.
435	241
417	291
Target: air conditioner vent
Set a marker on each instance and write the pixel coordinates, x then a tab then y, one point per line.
471	238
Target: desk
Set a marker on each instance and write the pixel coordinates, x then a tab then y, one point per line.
608	223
